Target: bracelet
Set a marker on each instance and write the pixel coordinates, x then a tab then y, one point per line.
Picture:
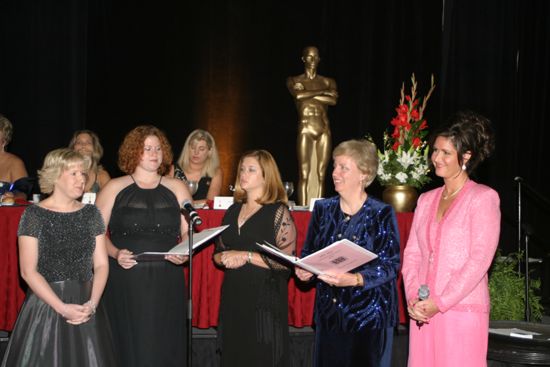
249	259
92	305
359	280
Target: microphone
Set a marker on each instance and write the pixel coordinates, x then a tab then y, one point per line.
423	294
187	207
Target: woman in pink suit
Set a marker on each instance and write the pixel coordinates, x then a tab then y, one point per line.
453	240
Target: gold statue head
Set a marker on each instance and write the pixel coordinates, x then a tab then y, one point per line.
310	57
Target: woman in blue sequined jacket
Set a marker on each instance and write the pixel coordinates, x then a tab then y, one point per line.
355	312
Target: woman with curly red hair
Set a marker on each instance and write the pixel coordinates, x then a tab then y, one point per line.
145	300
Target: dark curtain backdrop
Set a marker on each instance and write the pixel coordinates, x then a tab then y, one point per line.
221	65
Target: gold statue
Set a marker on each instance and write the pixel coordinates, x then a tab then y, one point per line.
313	94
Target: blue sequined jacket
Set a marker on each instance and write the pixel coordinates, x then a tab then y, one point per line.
373	227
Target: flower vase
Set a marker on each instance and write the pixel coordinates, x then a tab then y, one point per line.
401	197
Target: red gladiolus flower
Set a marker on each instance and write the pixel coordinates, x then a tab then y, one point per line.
408	98
416	142
402	109
395	146
423	125
415	115
396	133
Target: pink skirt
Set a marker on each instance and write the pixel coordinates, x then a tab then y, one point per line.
450	339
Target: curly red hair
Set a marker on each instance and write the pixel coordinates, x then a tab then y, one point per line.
131	149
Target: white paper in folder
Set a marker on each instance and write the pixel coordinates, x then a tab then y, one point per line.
182	248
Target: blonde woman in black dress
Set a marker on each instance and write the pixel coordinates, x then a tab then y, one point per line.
63	260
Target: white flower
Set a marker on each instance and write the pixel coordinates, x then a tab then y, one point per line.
406	159
401	177
384	177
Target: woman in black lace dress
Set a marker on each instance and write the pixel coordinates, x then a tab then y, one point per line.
146	300
253	324
63	260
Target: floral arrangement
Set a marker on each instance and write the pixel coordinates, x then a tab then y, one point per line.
405	157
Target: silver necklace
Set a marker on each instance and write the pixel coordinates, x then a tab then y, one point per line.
242	220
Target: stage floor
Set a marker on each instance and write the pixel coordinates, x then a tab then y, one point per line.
301	348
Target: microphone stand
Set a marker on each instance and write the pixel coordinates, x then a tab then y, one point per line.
190	296
519	181
527	307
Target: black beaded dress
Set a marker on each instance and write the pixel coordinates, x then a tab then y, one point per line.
42	337
147	303
253	321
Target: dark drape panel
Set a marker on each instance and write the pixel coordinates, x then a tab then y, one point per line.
497	63
43	63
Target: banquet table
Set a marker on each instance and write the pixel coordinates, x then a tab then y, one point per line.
11	286
207	278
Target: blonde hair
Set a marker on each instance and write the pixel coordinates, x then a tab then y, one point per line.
273	190
212	162
55	163
97	152
363	153
6	128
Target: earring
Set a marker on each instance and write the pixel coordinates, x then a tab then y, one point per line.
464	166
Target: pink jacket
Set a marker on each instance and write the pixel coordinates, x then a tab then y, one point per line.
452	256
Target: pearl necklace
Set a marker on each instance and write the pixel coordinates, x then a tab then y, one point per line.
449	196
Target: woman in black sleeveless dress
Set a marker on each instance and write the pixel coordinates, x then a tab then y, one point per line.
146	300
253	324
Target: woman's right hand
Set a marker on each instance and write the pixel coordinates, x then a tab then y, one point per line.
125	259
302	274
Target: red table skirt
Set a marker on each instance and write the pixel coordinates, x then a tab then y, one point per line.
11	287
207	279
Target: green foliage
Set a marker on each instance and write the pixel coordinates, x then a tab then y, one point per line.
507	290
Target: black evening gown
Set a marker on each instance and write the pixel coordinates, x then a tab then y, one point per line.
41	337
147	303
253	324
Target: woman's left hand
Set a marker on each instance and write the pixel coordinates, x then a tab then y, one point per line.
339	280
422	311
176	259
429	307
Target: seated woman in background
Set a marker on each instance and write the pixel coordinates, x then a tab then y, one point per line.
86	142
12	167
199	162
